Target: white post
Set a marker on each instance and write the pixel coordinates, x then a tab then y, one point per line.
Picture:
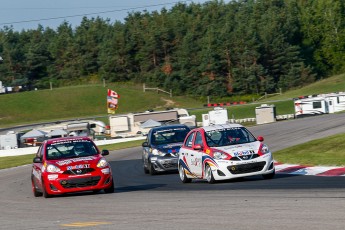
51	85
103	82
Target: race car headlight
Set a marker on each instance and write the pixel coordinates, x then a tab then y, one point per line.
52	168
102	163
219	156
264	149
157	152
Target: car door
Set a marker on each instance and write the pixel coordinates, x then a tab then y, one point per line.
37	168
197	153
186	151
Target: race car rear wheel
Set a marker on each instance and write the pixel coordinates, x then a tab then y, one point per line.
183	175
209	175
34	189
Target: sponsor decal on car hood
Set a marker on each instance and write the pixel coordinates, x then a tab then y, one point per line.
169	148
240	149
78	162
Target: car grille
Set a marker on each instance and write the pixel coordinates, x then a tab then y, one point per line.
246	168
169	165
244	158
80	182
78	171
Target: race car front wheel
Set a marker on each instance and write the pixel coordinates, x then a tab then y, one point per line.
209	175
34	189
111	189
183	175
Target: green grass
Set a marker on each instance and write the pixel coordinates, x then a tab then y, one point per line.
328	85
327	151
80	102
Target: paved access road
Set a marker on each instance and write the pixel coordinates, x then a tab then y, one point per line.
163	202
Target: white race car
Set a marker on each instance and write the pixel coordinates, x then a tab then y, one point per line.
222	152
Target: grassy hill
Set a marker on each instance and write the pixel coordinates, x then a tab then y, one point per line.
90	100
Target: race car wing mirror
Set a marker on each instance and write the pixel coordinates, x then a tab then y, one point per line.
260	138
145	144
37	160
105	152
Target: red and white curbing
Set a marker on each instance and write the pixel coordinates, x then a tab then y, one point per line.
309	170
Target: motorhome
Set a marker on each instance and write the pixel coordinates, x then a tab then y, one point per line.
336	102
139	123
310	106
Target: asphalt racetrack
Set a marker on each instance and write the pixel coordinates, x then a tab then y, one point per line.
162	202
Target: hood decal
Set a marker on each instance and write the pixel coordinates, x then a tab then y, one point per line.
73	160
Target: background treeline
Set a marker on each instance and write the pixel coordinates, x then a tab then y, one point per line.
215	48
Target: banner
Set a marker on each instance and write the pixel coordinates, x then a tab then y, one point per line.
112	101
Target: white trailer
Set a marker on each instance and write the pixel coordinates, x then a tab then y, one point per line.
319	104
8	141
310	106
130	124
217	116
336	102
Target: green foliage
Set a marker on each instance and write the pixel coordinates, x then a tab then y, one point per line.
211	49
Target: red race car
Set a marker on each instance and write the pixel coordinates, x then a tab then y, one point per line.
70	164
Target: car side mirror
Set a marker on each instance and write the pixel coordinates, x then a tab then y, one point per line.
260	138
145	144
105	152
37	160
197	147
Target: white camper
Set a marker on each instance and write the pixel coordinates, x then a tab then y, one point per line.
336	102
319	104
132	124
9	141
310	105
217	116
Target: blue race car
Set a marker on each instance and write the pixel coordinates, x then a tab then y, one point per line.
161	148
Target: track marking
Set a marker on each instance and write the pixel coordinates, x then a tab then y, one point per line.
85	224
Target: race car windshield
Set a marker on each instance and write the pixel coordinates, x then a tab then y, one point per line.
161	137
231	136
70	149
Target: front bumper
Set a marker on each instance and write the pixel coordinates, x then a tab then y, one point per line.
56	183
162	164
225	169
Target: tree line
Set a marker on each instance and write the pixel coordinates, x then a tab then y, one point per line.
214	48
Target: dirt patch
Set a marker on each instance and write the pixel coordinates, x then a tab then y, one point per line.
168	103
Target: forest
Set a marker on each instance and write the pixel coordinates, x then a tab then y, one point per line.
215	48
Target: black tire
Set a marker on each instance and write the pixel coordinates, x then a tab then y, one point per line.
152	170
34	189
183	175
146	171
45	193
111	189
269	176
209	175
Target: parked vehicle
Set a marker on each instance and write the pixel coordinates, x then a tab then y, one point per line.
223	152
160	150
70	164
319	104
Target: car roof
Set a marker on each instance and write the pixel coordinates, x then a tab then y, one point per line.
170	127
224	126
62	139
